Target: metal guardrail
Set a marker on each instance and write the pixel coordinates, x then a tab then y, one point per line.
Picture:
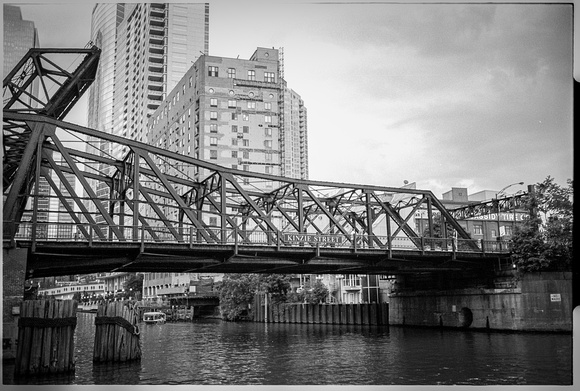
70	232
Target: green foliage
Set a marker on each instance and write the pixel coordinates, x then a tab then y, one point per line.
277	285
544	242
134	284
317	293
236	291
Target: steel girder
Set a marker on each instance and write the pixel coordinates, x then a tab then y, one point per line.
38	85
493	206
152	195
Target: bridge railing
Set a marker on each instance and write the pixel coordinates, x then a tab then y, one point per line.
71	232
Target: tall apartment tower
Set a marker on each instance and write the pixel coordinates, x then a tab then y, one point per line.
19	36
293	136
145	49
236	113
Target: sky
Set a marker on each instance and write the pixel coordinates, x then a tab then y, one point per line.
474	95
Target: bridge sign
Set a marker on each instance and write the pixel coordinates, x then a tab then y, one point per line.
313	238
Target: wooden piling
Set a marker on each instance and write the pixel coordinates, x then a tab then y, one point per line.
46	337
116	333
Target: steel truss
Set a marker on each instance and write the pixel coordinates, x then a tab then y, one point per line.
158	196
506	204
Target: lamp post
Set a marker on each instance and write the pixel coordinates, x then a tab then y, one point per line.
498	210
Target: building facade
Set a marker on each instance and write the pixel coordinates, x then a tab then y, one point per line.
236	113
19	36
145	49
67	291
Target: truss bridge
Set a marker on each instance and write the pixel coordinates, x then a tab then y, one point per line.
75	207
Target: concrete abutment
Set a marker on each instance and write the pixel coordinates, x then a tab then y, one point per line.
538	302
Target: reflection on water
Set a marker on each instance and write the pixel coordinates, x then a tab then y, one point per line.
215	352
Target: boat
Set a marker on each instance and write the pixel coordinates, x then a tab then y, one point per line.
154	317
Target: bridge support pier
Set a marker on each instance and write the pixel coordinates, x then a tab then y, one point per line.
13	279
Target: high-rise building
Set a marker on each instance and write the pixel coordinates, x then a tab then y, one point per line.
19	36
293	136
236	113
145	49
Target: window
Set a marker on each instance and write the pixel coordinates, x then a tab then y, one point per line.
268	156
234	141
213	154
235	166
212	71
251	75
213	128
268	119
477	230
213	115
268	170
232	73
267	105
268	143
246	155
234	128
246	167
268	132
213	102
246	143
190	81
234	116
232	103
213	141
269	77
252	105
234	154
246	129
245	116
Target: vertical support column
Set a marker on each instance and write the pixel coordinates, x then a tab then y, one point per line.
369	219
300	210
112	211
430	220
223	209
36	190
136	163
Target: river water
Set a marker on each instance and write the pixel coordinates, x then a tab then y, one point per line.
212	352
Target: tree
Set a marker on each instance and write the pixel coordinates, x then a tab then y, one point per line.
277	285
544	242
134	285
236	291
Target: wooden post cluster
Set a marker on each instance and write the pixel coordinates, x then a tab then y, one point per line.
116	333
46	337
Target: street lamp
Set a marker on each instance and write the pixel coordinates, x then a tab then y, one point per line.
498	210
502	190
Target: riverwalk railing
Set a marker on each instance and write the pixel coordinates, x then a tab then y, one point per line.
71	232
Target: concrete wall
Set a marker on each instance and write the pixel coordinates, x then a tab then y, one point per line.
533	305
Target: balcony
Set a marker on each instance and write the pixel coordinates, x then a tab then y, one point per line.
156	30
155	68
155	58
